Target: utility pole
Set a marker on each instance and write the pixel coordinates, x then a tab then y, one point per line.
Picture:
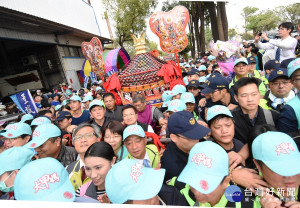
109	28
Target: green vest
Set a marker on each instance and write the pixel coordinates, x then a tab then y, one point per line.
295	104
262	78
263	104
195	116
153	154
185	192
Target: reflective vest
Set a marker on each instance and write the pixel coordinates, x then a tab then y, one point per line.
75	175
185	192
263	104
262	88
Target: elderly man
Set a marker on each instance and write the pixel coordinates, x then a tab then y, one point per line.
135	141
147	113
83	137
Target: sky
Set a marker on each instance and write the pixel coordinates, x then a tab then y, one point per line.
233	8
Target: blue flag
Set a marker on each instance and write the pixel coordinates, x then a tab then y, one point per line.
25	102
86	81
93	77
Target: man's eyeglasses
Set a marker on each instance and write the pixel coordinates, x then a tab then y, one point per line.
86	135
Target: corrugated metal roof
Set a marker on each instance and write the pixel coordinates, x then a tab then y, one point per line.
73	13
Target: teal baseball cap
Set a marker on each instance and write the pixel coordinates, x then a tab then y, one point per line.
40	121
166	97
96	103
129	180
207	166
68	92
178	89
293	66
87	98
76	98
187	66
133	130
44	179
278	151
98	88
202	79
241	60
202	68
216	110
211	57
187	97
185	80
15	130
26	117
41	134
176	105
65	102
15	158
57	107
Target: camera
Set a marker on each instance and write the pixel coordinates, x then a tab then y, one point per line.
259	34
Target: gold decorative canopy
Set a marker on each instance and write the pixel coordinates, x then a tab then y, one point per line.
139	43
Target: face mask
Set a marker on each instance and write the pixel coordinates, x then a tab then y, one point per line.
3	186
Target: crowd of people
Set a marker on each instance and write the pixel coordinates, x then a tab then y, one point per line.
219	131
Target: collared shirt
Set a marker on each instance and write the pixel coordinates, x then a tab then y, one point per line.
140	161
254	119
287	47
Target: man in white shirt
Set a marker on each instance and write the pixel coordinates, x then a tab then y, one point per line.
286	44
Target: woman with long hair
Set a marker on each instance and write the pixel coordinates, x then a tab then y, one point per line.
98	160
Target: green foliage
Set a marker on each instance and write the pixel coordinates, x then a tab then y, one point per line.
188	48
290	13
263	21
151	45
231	33
247	36
208	35
169	5
249	11
129	16
128	45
